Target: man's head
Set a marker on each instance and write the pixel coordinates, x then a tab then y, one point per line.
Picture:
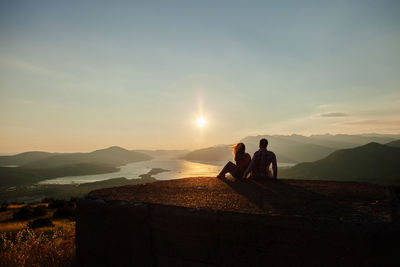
263	143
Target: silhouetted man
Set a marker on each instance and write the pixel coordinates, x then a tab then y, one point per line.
262	159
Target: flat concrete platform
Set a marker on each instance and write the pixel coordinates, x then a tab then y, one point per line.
346	201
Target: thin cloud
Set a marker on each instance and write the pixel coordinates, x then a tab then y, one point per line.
374	122
364	122
334	114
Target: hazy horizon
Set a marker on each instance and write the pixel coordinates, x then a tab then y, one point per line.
394	136
79	76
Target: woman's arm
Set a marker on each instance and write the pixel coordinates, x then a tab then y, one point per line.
246	172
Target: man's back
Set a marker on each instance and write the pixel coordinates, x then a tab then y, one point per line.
262	159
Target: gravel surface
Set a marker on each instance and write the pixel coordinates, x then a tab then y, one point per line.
345	201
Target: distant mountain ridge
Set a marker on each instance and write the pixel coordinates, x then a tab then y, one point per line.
24	158
224	153
373	162
164	153
215	153
115	156
37	166
291	148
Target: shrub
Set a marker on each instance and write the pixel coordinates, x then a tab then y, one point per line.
24	213
57	203
65	212
47	199
40	223
4	206
39	211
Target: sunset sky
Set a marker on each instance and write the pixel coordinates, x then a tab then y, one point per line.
84	75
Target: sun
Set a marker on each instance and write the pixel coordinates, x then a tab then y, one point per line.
201	122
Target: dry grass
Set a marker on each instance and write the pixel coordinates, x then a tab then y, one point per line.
49	246
45	247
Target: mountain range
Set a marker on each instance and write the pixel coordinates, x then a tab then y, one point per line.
292	148
371	158
36	166
373	162
115	156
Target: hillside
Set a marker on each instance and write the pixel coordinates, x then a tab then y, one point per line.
115	156
348	141
23	176
311	148
286	150
163	153
38	166
24	158
394	143
373	162
215	153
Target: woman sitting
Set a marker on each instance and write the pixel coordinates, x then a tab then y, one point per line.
242	160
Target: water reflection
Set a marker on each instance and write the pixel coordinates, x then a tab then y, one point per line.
176	169
191	169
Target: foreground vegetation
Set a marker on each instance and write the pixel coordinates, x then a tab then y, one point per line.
27	247
38	235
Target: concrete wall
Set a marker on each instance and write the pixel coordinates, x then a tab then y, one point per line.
119	233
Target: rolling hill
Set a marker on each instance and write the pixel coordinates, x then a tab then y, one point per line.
24	158
36	166
286	150
373	162
394	143
115	156
215	153
25	176
301	148
163	153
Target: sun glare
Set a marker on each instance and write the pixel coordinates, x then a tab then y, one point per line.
201	122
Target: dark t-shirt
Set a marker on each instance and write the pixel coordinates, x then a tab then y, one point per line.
262	159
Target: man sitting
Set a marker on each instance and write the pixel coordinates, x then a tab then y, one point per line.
259	165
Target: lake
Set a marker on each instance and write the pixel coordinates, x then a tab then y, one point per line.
176	169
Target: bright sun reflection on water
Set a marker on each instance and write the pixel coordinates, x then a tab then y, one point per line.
176	169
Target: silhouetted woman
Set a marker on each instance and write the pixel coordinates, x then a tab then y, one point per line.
242	160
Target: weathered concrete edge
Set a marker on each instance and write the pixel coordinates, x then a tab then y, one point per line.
395	214
116	222
394	200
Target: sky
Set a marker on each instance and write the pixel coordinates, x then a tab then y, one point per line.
84	75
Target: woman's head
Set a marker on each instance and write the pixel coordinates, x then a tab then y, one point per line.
238	149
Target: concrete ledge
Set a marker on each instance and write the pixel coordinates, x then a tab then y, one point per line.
129	233
113	234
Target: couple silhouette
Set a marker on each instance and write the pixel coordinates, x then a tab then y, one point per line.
258	167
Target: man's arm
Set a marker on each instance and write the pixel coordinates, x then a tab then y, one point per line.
274	166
